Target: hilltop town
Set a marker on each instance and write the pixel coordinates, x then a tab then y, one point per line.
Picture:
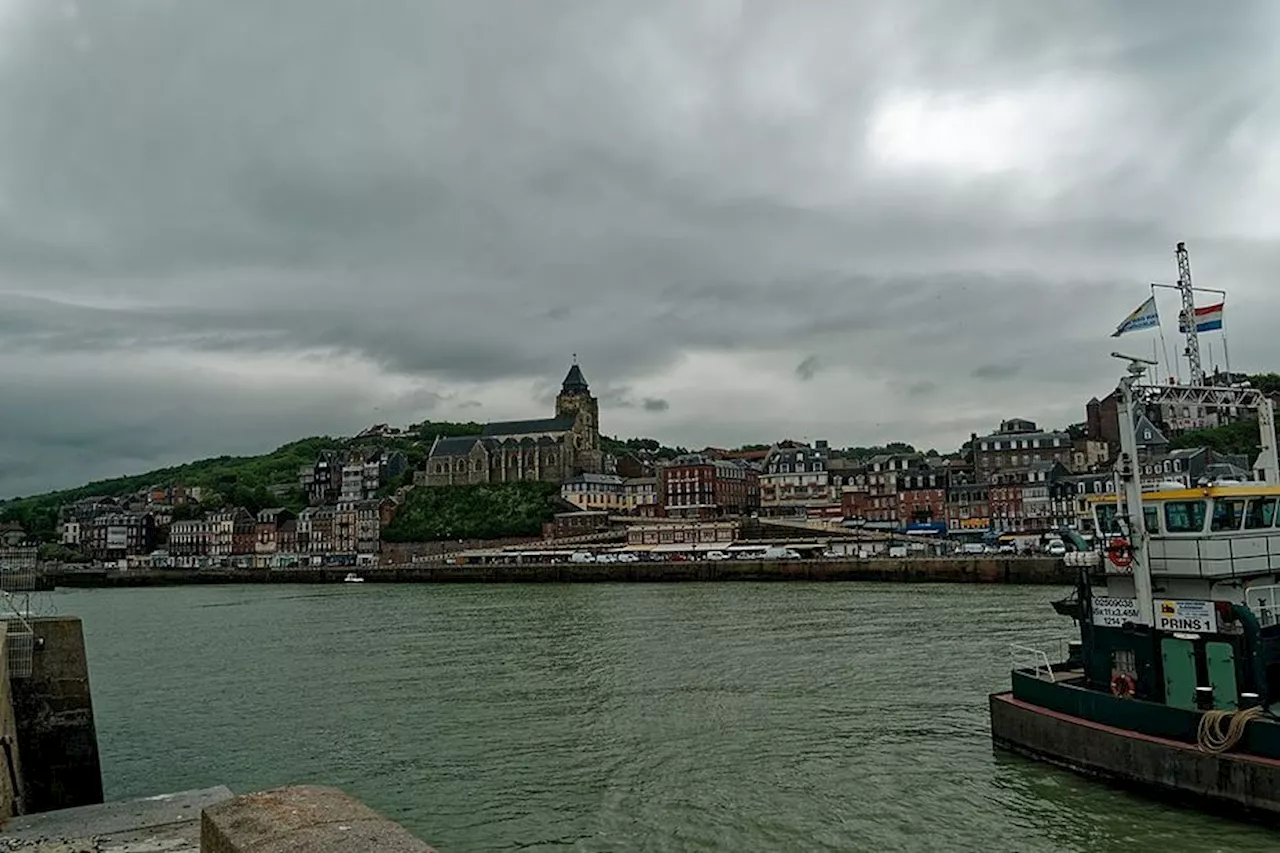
389	493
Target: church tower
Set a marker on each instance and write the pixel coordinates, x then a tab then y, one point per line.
575	401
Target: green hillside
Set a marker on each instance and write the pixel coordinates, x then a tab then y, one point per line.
238	479
488	511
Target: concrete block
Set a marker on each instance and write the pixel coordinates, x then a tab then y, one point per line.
54	712
304	818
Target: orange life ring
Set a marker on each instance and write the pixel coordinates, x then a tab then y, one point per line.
1120	552
1122	686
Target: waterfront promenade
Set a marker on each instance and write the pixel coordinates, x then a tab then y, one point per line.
985	570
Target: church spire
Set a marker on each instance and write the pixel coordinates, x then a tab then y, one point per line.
575	382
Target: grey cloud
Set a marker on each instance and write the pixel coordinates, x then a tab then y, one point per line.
655	404
997	371
922	388
808	368
465	193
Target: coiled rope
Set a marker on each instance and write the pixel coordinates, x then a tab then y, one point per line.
1212	737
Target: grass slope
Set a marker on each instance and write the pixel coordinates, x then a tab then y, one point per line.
489	511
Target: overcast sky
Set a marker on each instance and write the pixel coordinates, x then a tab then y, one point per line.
225	225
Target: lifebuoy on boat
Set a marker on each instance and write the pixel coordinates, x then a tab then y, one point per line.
1120	552
1122	685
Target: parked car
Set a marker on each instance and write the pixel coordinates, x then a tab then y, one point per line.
582	557
717	555
775	553
606	558
1056	548
628	557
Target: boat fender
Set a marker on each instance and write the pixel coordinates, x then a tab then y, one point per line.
1122	686
1120	552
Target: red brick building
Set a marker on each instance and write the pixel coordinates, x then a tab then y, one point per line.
695	486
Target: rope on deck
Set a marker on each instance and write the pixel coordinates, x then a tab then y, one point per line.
1211	736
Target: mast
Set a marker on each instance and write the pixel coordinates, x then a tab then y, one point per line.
1188	315
1270	467
1129	473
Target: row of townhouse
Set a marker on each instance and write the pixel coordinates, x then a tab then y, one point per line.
788	479
349	531
274	537
344	476
111	533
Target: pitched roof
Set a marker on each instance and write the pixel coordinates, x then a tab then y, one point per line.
526	427
575	382
457	446
1148	433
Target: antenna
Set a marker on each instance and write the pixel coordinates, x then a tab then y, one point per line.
1188	315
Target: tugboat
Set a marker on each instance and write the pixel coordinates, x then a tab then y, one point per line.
1171	685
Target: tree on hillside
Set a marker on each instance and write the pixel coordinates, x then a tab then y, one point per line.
1239	437
1267	383
429	430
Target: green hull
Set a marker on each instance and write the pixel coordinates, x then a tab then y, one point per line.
1144	745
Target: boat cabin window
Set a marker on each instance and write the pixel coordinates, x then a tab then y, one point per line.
1184	516
1261	513
1107	514
1227	514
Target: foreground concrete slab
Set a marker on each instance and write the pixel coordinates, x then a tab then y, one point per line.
302	818
169	823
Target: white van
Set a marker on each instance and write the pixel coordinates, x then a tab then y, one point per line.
582	557
775	553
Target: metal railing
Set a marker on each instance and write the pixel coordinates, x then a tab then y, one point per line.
1264	601
1032	660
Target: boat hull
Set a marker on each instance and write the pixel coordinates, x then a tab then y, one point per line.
1244	784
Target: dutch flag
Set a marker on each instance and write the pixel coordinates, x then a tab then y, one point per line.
1208	318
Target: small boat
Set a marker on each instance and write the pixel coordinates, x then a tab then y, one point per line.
352	577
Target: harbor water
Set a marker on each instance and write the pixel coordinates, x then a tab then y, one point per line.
610	717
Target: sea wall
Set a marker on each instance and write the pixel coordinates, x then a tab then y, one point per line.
10	760
1030	570
54	714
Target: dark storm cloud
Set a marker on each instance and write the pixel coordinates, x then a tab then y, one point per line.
460	194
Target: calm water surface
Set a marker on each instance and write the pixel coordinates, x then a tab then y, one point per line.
718	717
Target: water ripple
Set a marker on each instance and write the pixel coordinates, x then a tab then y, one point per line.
790	717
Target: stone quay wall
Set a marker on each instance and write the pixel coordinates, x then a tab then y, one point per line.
987	570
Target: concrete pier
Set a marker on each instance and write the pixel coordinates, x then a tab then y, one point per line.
304	819
53	709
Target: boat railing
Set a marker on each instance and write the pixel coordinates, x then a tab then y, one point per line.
1031	659
1264	601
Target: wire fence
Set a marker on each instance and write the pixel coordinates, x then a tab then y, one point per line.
19	579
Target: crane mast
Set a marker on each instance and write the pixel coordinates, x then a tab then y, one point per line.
1188	316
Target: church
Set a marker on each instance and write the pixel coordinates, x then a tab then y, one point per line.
550	449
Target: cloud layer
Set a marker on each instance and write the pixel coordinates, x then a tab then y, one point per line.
224	225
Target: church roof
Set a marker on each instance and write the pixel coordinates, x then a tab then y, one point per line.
527	427
575	382
458	446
